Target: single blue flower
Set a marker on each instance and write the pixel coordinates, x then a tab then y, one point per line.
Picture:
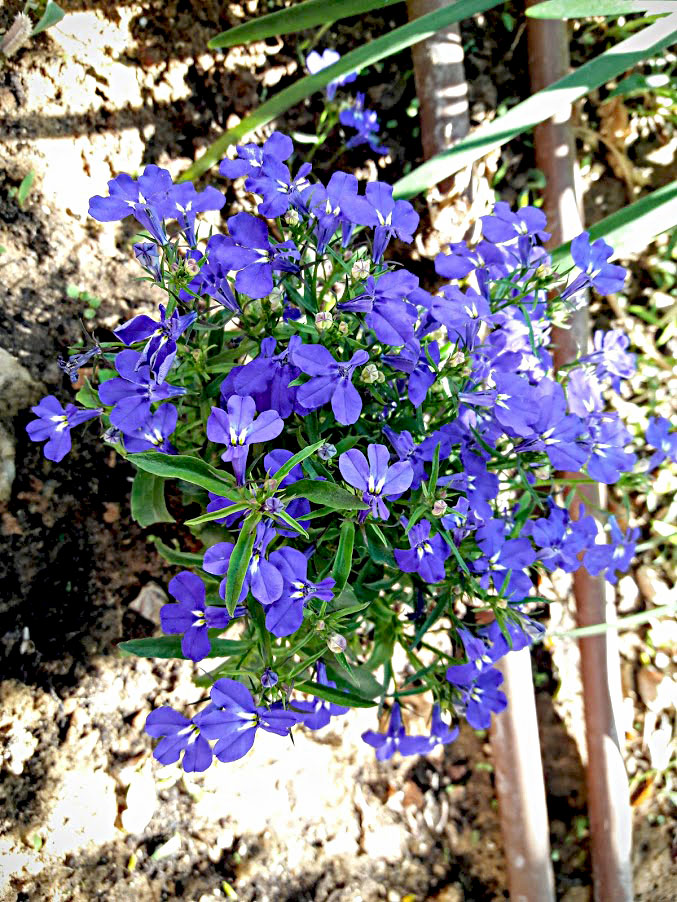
154	432
483	698
150	200
328	207
254	258
262	577
385	303
395	739
180	735
250	157
660	436
285	615
584	393
316	62
74	362
279	189
591	259
316	714
426	555
614	557
232	718
132	394
54	424
160	349
190	617
481	657
238	427
375	478
605	442
415	360
267	378
610	356
146	252
386	216
190	202
440	732
515	231
330	381
366	124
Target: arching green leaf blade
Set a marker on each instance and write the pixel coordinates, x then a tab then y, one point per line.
295	18
579	9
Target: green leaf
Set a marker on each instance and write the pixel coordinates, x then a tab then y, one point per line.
337	696
359	677
396	40
300	456
25	188
554	99
631	228
190	469
640	84
148	500
239	561
170	647
87	396
295	18
51	16
327	493
179	558
343	561
580	9
292	523
215	515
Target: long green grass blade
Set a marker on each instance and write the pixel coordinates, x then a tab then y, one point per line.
398	39
579	9
295	18
552	100
633	227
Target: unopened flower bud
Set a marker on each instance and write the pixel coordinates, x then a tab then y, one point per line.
327	451
336	643
270	485
291	217
276	298
254	308
369	373
376	350
191	266
320	625
381	377
268	678
439	508
323	321
273	505
17	34
360	268
343	327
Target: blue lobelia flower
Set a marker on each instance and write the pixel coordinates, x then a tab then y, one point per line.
330	381
150	200
154	432
610	356
659	435
415	360
327	205
440	732
285	615
316	62
190	202
316	714
146	252
190	617
212	279
591	259
133	392
254	258
515	231
555	431
605	442
250	157
232	718
561	539
584	393
262	577
481	657
406	449
238	427
160	350
503	559
395	739
374	478
280	191
461	313
74	362
486	261
426	555
267	378
388	312
54	424
366	124
386	216
482	698
614	557
180	735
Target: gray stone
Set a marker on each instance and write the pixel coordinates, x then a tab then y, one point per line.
18	390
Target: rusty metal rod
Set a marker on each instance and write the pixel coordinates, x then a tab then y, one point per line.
607	786
442	93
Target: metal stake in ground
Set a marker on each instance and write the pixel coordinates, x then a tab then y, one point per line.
607	786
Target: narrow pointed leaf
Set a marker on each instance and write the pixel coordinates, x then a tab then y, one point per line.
51	16
292	524
178	558
343	561
301	455
554	99
396	40
215	515
337	696
327	493
170	647
190	469
239	561
580	9
295	18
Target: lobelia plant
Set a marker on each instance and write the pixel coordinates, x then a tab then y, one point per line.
382	471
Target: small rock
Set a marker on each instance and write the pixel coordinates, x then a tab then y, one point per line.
627	594
149	601
18	390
